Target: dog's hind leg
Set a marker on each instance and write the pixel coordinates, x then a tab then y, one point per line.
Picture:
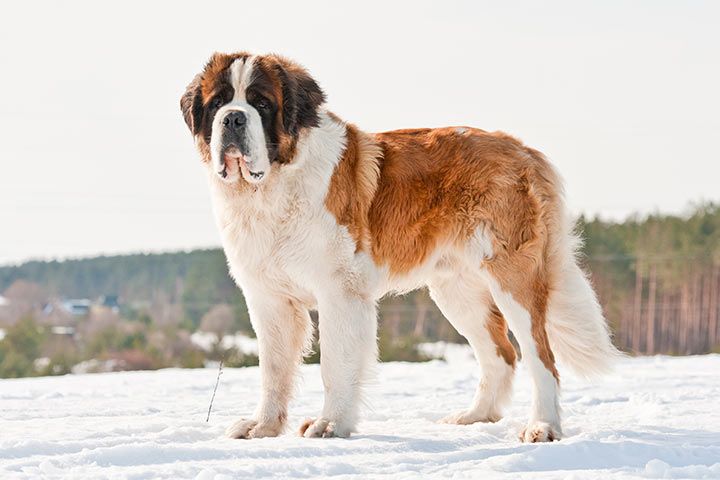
466	302
520	291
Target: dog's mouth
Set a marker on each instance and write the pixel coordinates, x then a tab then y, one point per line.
236	163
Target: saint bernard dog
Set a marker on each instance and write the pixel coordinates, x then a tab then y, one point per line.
316	214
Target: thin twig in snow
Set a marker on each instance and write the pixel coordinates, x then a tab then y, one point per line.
217	381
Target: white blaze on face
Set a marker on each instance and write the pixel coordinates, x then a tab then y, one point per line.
255	164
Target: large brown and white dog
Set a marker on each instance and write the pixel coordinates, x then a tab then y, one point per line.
315	213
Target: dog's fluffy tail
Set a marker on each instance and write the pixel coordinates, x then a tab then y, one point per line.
577	330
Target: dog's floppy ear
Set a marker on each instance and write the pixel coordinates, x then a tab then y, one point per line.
302	97
191	105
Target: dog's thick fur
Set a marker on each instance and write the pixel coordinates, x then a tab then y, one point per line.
315	213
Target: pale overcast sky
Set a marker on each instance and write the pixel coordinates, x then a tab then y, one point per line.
623	96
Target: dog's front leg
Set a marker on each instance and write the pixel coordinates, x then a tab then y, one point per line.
348	352
282	328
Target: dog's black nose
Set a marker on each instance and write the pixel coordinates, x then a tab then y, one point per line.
235	120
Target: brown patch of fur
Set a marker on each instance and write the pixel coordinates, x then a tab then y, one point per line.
353	186
215	70
438	185
498	332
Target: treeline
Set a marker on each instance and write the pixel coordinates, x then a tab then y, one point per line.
195	281
658	278
136	277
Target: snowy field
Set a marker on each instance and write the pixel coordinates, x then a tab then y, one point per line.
657	417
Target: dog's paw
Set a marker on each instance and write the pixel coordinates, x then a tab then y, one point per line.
249	428
539	432
467	417
241	428
323	428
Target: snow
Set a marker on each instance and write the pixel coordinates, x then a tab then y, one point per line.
656	417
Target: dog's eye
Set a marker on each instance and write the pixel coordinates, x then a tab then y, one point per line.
262	104
217	102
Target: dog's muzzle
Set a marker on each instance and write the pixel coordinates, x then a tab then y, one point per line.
235	155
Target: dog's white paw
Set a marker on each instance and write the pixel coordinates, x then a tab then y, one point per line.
540	432
323	428
467	417
249	428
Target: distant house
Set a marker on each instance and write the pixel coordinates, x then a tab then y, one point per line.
3	301
77	306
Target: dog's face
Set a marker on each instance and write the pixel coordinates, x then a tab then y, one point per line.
246	113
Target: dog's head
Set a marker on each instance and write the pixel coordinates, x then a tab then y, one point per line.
246	113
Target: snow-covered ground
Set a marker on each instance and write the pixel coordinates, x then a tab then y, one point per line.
656	417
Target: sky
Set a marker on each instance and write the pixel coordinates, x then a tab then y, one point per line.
95	158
